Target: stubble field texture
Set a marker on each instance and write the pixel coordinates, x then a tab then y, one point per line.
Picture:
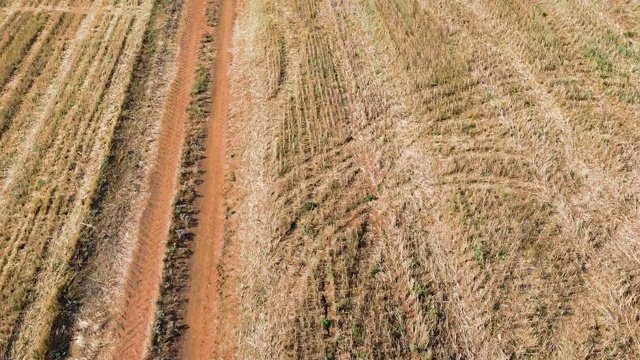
81	89
437	179
64	69
402	179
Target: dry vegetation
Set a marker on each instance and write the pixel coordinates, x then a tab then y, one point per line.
415	179
436	179
77	134
87	328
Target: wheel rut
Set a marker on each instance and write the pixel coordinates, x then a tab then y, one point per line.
145	271
203	309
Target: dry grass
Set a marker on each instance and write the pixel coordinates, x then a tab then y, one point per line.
63	72
89	320
425	179
415	179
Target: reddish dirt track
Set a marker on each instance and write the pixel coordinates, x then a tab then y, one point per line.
145	272
204	294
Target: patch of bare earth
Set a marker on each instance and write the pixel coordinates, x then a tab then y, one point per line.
202	314
145	271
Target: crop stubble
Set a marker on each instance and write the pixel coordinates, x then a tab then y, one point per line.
408	179
443	178
55	132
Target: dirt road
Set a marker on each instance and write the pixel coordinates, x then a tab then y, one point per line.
204	296
145	272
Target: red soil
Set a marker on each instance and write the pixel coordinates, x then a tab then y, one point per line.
204	294
145	272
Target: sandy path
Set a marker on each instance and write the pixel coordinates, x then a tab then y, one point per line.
202	315
145	272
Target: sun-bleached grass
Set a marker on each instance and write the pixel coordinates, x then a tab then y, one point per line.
93	298
48	194
19	46
424	179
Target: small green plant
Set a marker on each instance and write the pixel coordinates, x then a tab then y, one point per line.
157	329
356	330
625	51
375	270
369	198
420	291
453	203
603	65
309	206
327	323
59	354
631	97
468	129
478	252
41	183
201	83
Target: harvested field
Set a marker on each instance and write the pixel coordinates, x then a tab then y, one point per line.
54	137
428	179
276	179
69	107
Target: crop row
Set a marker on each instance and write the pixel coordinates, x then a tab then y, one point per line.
56	125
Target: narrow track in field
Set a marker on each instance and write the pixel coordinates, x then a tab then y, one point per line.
145	272
202	316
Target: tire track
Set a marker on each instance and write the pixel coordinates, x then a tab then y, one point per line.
202	315
145	272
